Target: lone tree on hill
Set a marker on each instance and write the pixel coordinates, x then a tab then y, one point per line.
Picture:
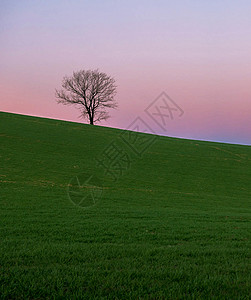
91	91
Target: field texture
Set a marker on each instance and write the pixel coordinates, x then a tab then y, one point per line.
94	212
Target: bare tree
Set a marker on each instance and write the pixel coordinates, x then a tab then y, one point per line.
91	91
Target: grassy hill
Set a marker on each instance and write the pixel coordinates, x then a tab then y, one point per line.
175	224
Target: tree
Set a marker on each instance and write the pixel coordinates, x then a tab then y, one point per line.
91	91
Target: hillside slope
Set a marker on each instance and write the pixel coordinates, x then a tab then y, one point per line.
174	223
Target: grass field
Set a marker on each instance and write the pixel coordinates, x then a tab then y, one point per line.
175	225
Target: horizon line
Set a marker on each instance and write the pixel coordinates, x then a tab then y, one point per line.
177	137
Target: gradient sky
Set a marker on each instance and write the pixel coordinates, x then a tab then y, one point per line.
198	52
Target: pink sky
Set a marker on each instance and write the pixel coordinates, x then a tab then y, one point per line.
198	53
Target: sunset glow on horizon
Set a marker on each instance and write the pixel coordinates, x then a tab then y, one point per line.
198	53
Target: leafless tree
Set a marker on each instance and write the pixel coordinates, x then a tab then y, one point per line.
91	91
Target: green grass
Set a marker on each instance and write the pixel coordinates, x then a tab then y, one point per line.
175	225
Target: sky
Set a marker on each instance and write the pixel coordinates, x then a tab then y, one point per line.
196	52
